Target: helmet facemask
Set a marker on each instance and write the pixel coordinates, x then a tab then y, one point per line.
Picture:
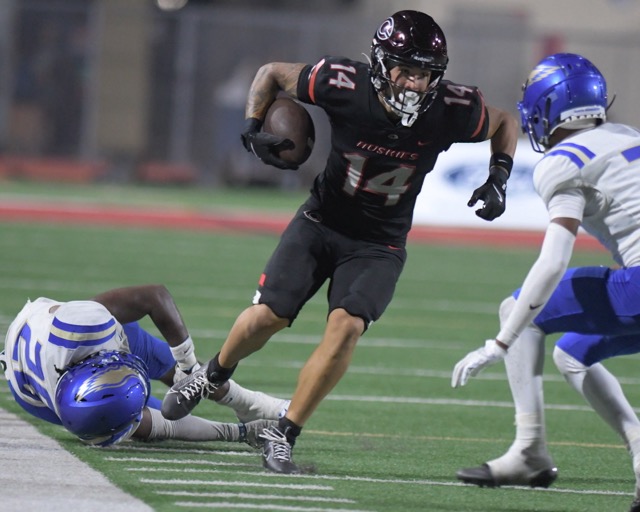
406	103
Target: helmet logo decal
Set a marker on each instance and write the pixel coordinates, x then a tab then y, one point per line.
105	381
386	29
540	73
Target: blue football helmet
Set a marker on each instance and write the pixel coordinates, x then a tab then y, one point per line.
101	398
564	89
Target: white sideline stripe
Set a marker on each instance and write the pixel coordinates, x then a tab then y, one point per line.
37	473
248	496
176	481
262	506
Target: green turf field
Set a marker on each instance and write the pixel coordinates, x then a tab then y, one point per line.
391	435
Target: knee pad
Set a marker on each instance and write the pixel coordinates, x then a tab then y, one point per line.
566	363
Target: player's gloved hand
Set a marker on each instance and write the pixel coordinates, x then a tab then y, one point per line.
493	193
474	362
264	145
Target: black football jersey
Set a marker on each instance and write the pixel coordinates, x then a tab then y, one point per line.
376	166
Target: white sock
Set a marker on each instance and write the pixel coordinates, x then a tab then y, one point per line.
527	454
184	354
524	364
191	428
253	405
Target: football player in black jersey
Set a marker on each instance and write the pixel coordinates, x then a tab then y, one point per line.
390	119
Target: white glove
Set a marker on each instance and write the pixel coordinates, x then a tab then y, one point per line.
471	364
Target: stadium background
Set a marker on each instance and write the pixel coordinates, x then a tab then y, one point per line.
122	91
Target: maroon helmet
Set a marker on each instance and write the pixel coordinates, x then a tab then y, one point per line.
409	38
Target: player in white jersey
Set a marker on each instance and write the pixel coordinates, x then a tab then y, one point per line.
589	177
86	365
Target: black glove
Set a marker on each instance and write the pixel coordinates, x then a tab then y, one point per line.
264	145
494	191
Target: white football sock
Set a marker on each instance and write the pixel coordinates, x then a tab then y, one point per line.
191	428
524	364
184	354
253	405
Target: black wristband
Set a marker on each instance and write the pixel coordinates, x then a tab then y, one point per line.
242	433
252	125
501	160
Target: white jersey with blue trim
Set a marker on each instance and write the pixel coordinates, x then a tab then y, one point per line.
48	336
604	163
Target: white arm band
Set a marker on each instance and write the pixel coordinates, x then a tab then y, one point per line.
541	281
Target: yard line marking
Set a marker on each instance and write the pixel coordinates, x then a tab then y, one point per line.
143	469
132	448
176	481
177	461
385	481
376	481
262	506
231	293
457	439
249	496
419	372
448	402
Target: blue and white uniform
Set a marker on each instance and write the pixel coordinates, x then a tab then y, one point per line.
593	176
48	336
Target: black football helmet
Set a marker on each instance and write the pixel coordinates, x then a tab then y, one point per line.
410	38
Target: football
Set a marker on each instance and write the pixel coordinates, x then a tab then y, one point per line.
289	119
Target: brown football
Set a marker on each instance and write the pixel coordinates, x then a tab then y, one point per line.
289	119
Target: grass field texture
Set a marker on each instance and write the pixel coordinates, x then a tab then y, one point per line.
392	434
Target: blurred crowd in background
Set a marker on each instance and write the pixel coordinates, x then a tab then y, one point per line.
154	90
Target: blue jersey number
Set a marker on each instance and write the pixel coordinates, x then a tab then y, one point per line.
30	381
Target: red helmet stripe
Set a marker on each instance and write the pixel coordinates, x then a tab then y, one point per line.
312	80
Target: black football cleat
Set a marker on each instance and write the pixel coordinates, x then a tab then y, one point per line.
251	432
185	394
635	506
276	452
482	476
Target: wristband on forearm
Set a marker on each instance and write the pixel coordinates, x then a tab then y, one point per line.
500	164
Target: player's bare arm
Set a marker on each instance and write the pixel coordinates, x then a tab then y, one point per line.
503	131
135	302
269	80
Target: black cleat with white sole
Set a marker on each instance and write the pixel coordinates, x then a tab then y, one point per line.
276	452
482	476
